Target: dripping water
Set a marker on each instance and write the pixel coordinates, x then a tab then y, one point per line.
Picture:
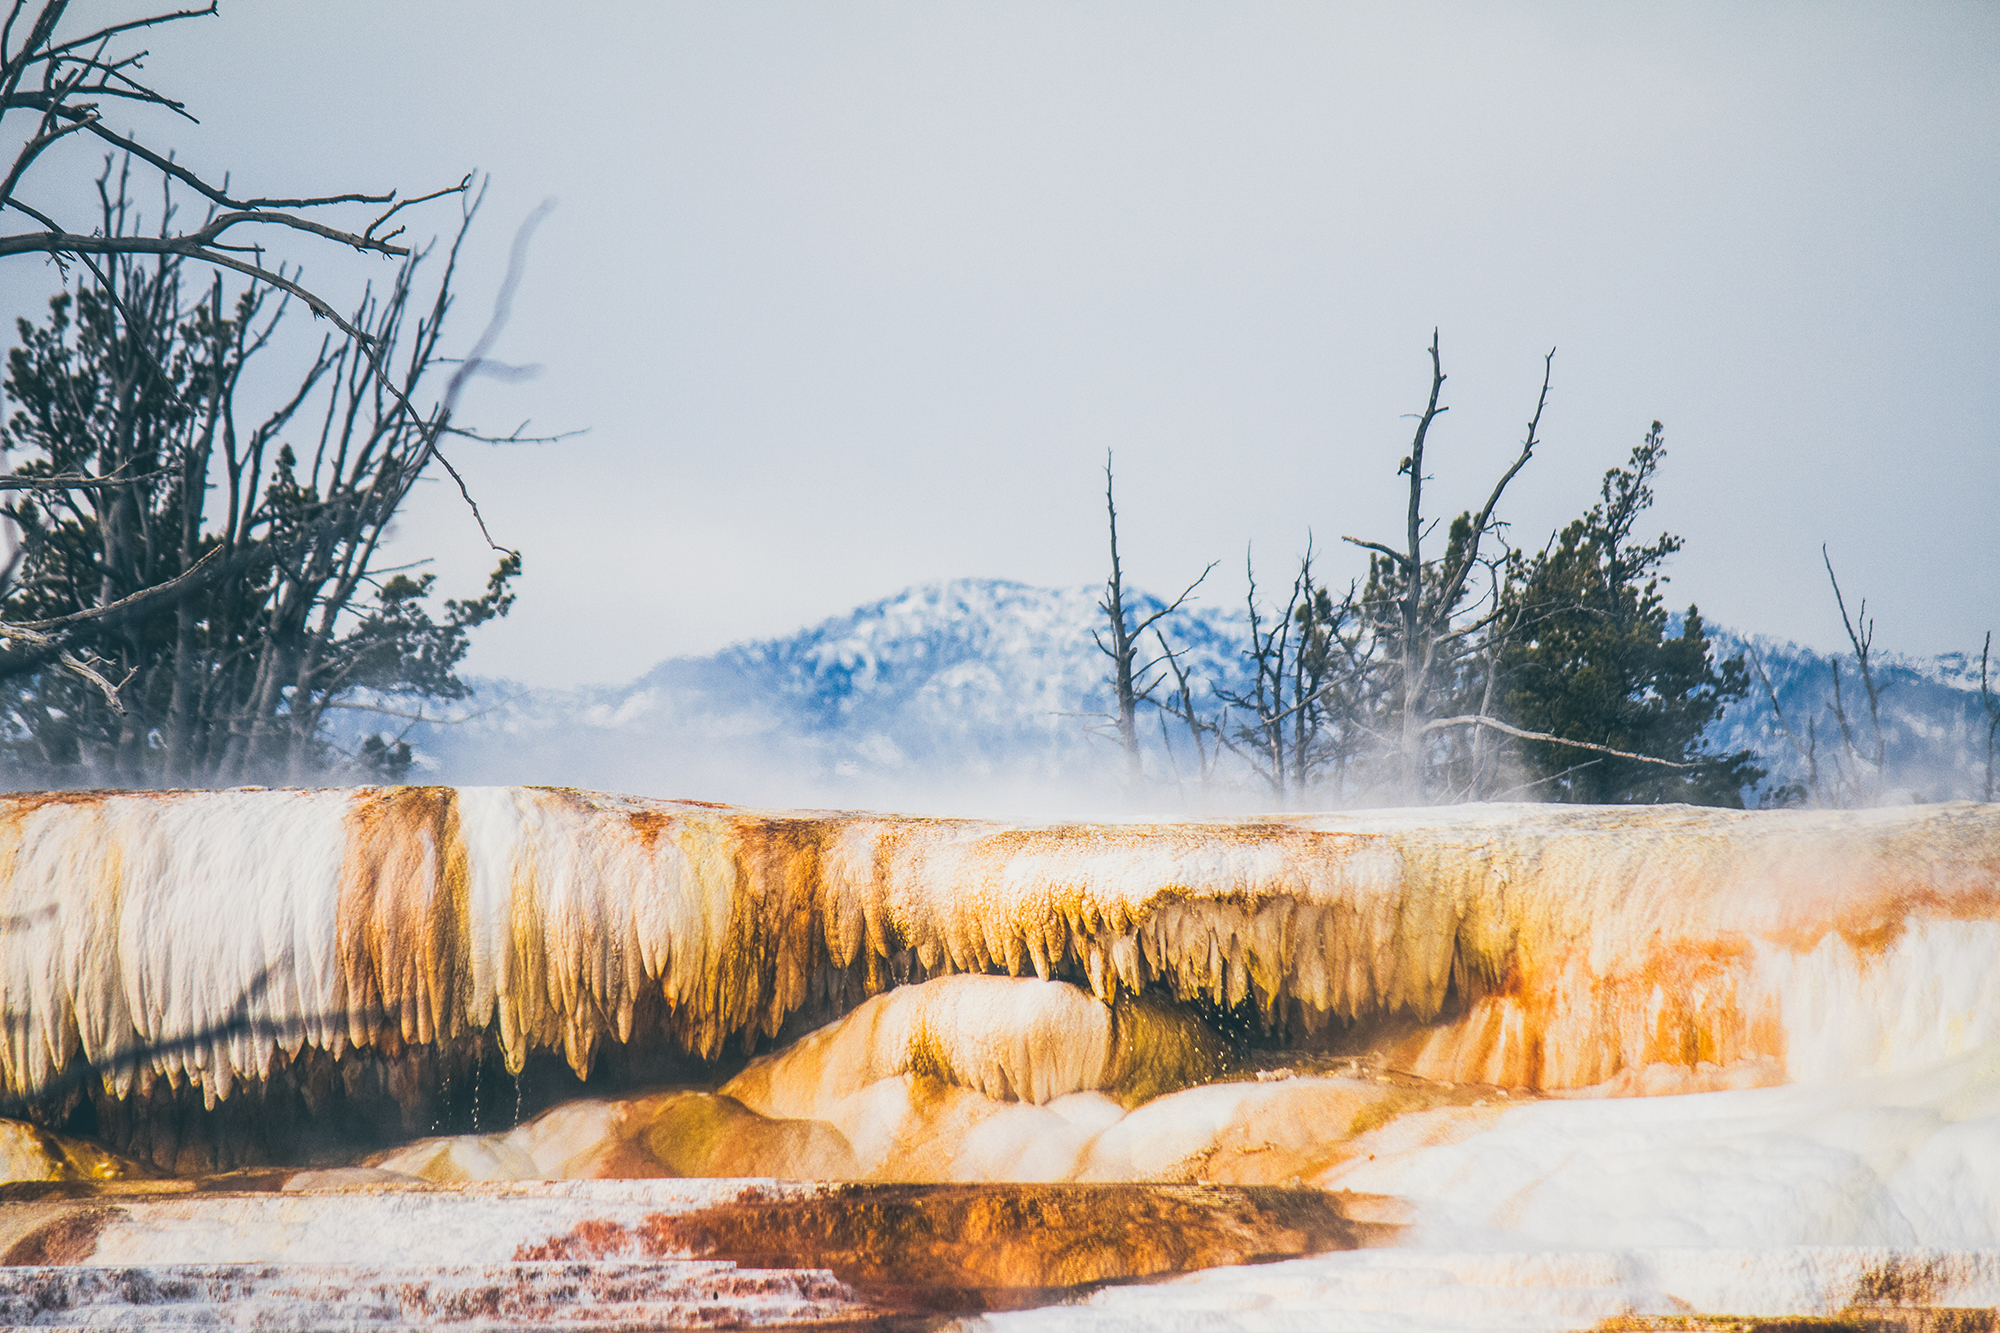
443	1102
517	1101
478	1059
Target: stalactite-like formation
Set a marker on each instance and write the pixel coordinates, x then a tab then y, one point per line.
203	937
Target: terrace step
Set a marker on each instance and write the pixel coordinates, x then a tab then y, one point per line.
593	1295
617	1254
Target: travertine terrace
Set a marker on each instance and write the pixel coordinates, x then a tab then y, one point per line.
1250	1040
220	934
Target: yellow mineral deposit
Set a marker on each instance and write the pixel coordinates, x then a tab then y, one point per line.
673	1134
30	1153
1029	1041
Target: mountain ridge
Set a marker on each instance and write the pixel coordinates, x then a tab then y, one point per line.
975	695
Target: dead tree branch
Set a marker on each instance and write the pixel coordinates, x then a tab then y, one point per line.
1861	634
1130	686
61	84
1991	703
1480	720
1427	594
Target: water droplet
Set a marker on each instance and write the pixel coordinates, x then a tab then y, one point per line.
443	1103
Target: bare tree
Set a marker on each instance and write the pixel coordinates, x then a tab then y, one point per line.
1427	595
1861	765
1481	767
1132	682
1272	657
1852	774
1312	690
1991	704
1206	733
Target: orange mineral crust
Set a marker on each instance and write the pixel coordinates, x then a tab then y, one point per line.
211	936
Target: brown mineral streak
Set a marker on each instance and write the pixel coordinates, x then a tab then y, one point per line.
777	933
992	1246
68	1236
403	919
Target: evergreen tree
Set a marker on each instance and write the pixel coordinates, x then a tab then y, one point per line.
1590	658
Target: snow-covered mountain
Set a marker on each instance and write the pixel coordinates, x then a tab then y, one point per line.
1932	726
980	695
975	694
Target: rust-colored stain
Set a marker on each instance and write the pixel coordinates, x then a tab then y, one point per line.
69	1237
967	1247
649	825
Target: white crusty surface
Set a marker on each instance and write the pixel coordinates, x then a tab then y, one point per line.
1522	1291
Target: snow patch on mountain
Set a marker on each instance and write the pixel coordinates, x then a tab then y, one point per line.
987	696
1928	715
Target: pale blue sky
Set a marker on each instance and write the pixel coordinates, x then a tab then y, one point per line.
856	295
